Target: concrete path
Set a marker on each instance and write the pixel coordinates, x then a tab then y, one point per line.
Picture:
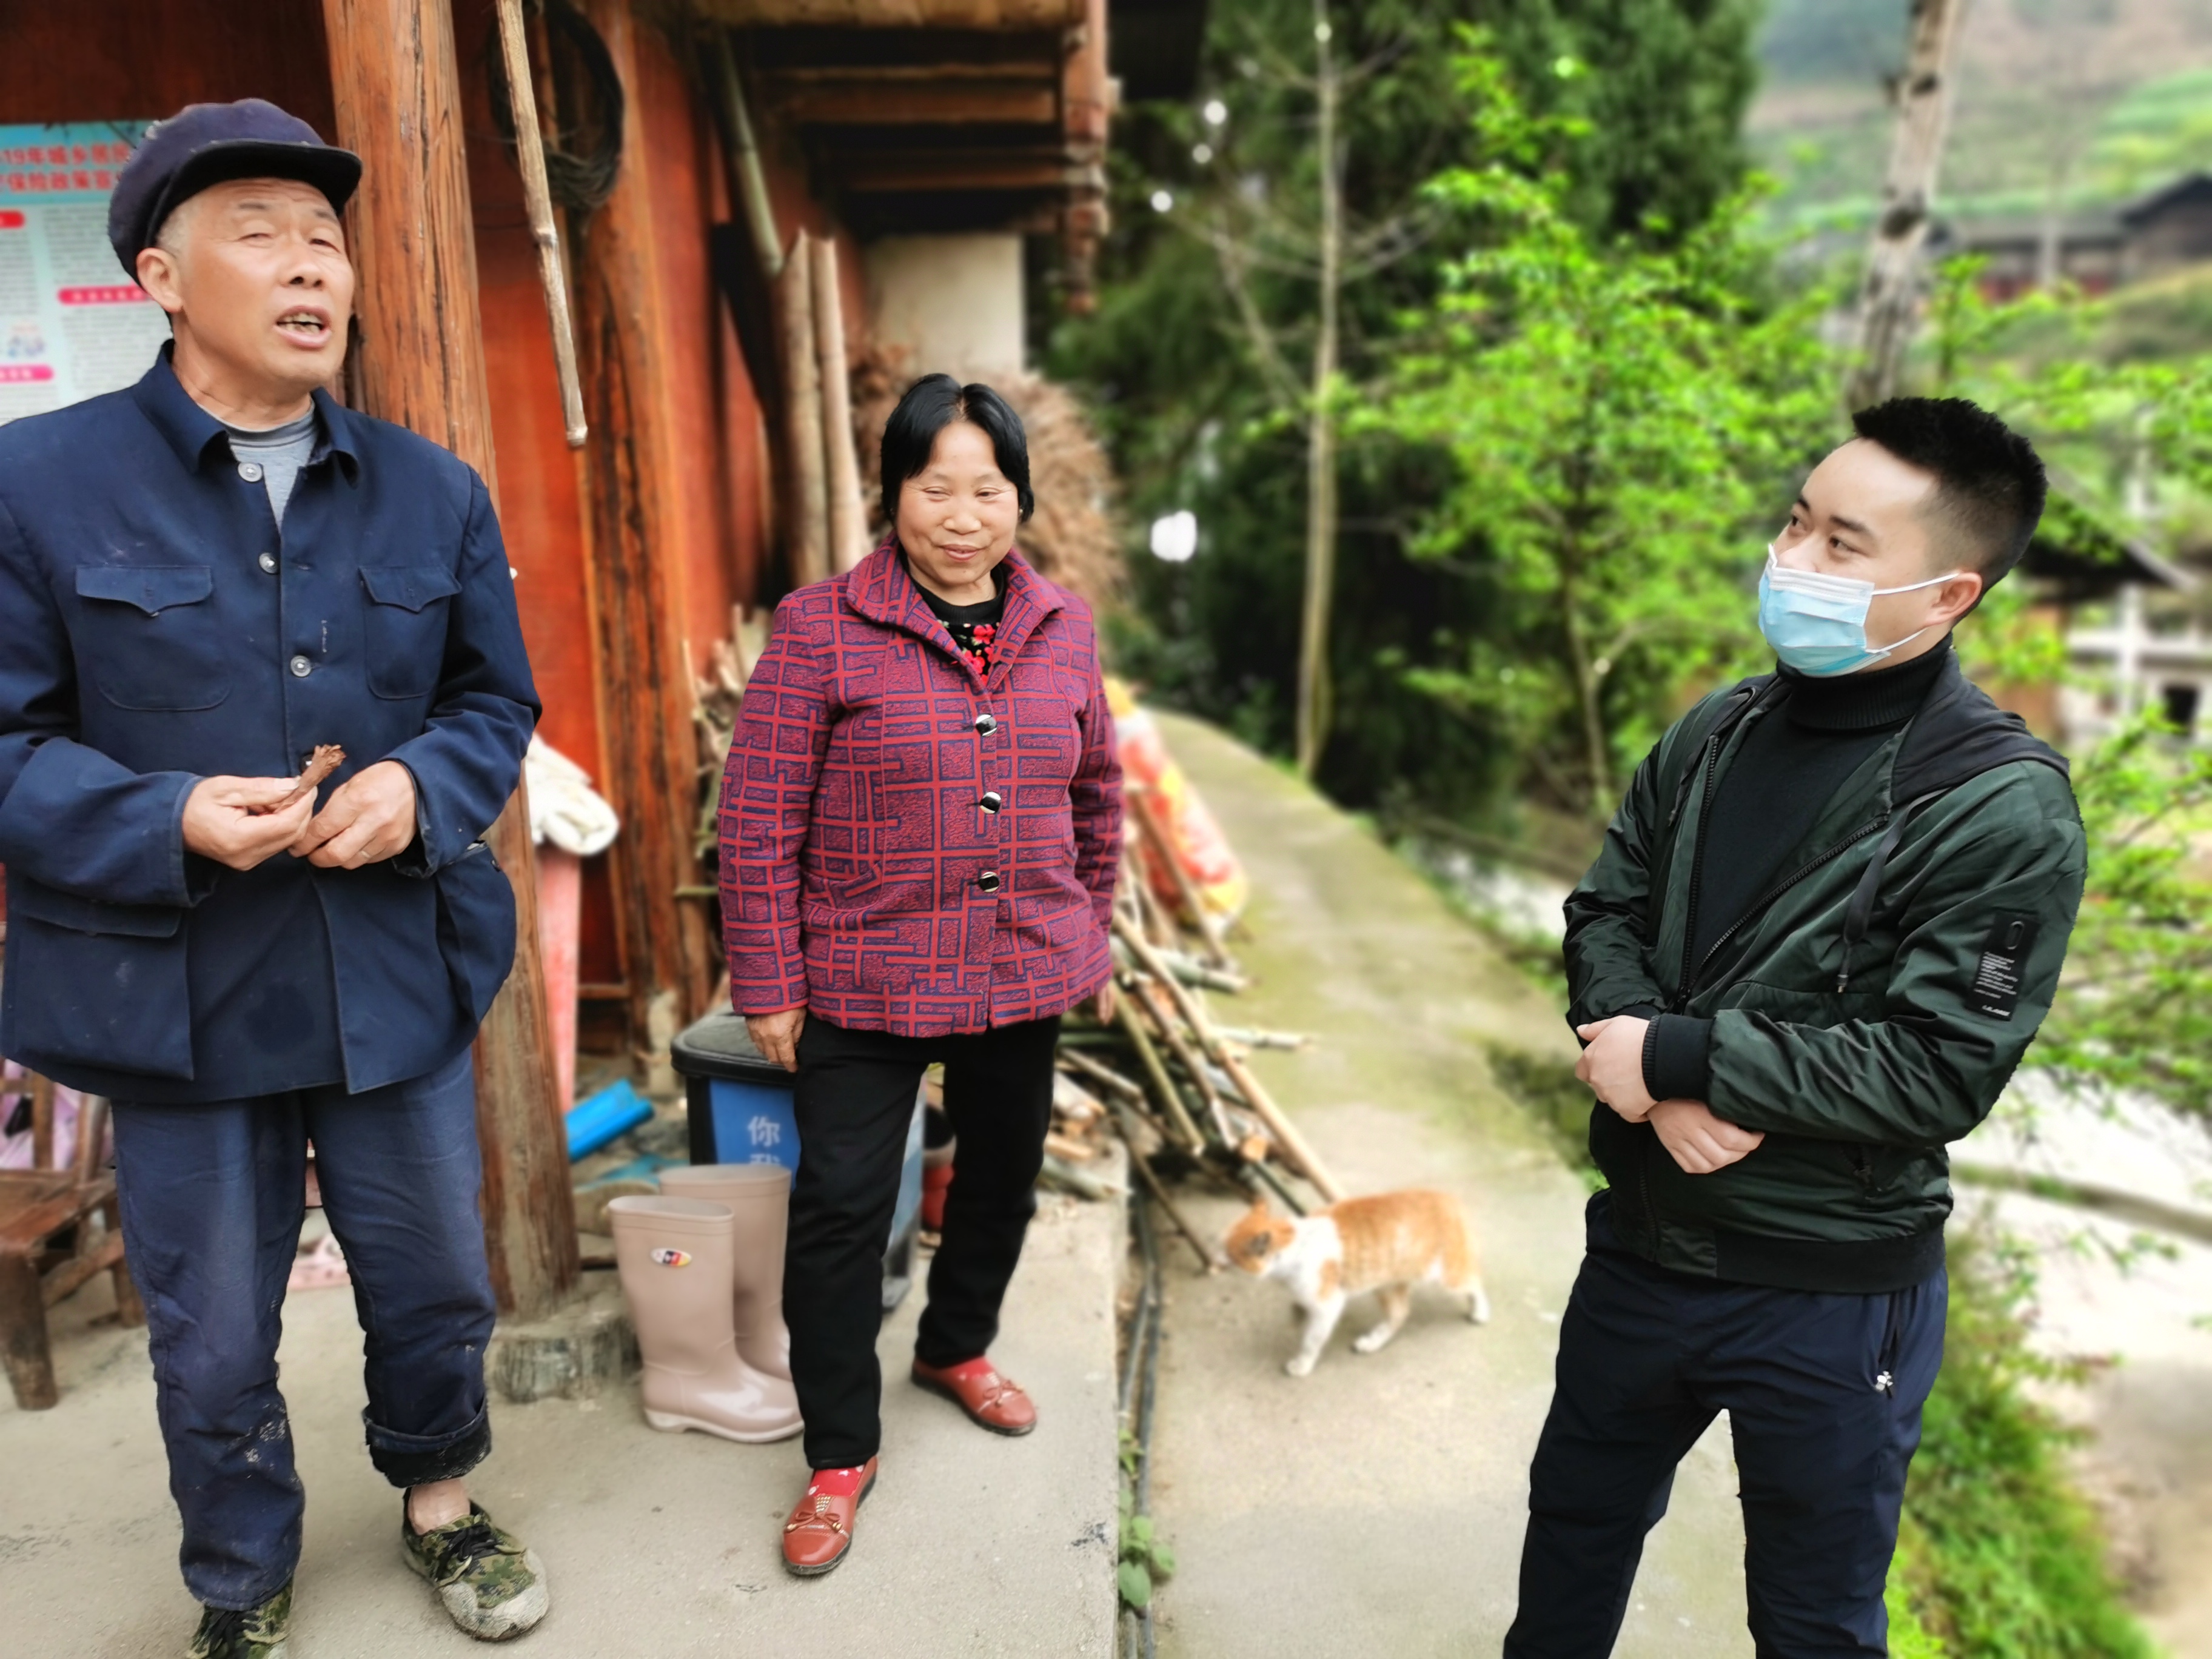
661	1545
1378	1505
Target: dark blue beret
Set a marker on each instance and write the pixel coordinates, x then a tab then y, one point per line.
204	145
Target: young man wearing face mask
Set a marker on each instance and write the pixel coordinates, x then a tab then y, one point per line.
1825	925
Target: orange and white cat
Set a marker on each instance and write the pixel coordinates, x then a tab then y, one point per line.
1388	1243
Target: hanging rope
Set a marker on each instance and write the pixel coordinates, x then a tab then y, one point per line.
584	154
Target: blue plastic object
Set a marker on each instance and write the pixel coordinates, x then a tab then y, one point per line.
596	1119
740	1106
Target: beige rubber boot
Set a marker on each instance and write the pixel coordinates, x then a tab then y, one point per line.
760	1195
675	1256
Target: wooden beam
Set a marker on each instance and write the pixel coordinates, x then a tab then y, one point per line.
898	13
923	171
867	103
1038	72
396	87
635	460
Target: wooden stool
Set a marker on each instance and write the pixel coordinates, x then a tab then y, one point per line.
37	1203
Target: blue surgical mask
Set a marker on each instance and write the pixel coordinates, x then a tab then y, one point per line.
1817	623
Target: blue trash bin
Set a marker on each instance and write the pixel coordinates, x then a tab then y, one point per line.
739	1103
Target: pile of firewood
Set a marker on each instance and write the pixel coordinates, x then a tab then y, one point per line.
1168	1076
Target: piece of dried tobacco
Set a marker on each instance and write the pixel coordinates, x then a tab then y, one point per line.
326	759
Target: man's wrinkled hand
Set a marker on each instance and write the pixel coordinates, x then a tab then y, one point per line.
1612	1064
1697	1140
230	820
776	1035
368	818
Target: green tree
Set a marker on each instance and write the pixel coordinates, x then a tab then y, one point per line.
1197	417
1625	420
2134	1014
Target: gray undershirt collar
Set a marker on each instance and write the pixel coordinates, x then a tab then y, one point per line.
280	452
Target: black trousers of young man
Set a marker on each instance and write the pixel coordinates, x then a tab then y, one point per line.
1823	1392
854	1106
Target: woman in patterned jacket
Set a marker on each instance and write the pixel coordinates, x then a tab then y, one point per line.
921	828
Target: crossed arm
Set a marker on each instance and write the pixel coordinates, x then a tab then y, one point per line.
1694	1136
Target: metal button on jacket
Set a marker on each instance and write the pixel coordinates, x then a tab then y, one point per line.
986	724
268	562
249	471
302	667
992	801
988	881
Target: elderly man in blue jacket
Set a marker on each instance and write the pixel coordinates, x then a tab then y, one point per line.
202	580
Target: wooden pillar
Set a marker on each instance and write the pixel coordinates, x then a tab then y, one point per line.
634	456
396	87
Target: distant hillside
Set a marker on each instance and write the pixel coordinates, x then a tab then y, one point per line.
2092	101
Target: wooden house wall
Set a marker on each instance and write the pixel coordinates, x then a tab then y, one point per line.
105	60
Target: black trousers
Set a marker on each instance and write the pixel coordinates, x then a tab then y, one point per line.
854	1104
1823	1394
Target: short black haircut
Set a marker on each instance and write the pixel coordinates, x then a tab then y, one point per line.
935	402
1990	482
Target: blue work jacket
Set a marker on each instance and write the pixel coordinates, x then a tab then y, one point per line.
157	627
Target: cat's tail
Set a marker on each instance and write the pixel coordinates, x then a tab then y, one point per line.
1460	1271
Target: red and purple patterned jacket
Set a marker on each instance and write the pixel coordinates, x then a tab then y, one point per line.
907	845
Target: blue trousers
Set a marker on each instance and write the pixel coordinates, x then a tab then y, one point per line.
1823	1394
213	1197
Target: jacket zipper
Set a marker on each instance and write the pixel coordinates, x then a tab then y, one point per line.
1690	975
1697	872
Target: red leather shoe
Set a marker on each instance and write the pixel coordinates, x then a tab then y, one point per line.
990	1400
820	1529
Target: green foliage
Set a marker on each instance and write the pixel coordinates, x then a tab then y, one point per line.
2135	1010
1624	419
1651	90
1908	1637
1999	1558
1650	94
1143	1556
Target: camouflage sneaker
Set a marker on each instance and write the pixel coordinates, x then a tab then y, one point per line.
257	1632
491	1586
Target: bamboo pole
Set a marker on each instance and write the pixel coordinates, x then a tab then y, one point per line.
1192	1066
1208	1257
848	520
1092	1072
1178	1114
1156	835
1286	1134
809	547
538	196
746	162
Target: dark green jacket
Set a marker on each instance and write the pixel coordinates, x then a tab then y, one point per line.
1866	1010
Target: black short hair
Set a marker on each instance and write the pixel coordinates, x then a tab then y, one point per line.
1990	482
935	402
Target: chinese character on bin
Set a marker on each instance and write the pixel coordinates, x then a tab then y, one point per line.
762	1157
764	1130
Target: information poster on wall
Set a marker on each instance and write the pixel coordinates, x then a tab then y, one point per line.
72	323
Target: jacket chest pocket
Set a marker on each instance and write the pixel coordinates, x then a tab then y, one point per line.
405	626
150	636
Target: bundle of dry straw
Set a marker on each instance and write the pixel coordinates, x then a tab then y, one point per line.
1173	1082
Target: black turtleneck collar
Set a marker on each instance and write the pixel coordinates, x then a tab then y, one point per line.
1868	702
